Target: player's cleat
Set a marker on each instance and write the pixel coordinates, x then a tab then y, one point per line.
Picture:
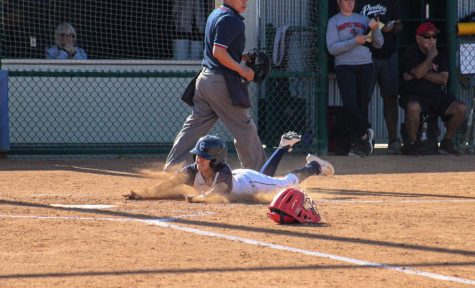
326	169
289	139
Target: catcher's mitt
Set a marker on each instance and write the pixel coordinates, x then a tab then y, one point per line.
260	63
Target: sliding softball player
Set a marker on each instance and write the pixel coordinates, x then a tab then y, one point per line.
211	174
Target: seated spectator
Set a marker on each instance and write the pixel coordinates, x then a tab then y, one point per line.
424	77
65	48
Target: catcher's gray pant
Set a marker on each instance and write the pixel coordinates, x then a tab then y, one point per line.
212	102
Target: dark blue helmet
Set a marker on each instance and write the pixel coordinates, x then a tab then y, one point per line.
211	148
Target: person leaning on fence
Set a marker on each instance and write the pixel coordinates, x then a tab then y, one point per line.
386	63
346	38
210	174
423	89
65	44
221	91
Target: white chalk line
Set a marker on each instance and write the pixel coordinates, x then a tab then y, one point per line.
402	269
108	218
333	201
164	223
83	206
100	170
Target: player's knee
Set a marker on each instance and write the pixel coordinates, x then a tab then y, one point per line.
413	108
457	108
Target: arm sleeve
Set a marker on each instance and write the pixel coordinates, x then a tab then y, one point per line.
80	54
189	173
378	39
225	176
334	45
56	53
223	37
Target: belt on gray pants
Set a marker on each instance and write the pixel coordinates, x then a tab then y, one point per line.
212	71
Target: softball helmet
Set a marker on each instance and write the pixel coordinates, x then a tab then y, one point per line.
293	206
212	148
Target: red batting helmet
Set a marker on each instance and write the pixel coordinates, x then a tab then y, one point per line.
291	206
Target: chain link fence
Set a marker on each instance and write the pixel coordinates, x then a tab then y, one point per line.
287	100
97	112
86	110
465	136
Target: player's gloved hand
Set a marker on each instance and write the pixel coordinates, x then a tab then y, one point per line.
132	196
195	198
260	63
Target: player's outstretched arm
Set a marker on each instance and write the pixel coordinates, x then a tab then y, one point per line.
217	193
160	191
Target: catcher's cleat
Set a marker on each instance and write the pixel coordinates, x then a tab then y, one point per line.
326	169
289	139
132	196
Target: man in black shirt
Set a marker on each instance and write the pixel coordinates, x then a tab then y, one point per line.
424	76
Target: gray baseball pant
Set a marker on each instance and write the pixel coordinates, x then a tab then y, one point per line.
212	102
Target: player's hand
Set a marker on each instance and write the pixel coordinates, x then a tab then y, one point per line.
406	76
433	52
360	39
195	198
389	26
246	72
132	195
373	24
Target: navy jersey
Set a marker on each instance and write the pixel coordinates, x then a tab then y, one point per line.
225	28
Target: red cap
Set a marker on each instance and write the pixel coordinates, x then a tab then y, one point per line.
426	27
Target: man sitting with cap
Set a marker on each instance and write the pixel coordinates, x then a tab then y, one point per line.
423	90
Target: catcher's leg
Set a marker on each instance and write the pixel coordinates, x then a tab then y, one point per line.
239	122
198	124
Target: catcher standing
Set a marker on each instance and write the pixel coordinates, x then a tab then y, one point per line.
221	90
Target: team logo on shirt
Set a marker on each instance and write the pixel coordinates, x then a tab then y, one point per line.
350	25
435	67
374	11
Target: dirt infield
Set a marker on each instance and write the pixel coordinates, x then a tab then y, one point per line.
389	221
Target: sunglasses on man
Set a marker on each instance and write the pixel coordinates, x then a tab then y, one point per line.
429	37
